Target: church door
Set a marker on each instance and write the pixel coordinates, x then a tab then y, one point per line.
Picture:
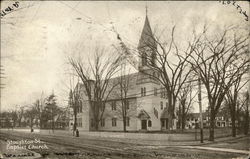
166	123
144	124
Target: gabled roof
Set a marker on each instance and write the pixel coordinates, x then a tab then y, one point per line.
143	115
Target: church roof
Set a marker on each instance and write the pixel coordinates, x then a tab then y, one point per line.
116	92
147	37
143	115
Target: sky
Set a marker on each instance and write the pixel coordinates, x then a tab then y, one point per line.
39	36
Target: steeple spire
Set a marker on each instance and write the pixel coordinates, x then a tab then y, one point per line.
147	43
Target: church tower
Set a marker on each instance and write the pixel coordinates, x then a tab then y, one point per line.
147	46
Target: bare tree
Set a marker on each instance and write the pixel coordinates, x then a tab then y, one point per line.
20	115
75	103
170	72
52	109
186	100
95	77
246	125
232	97
14	117
243	111
31	114
212	60
38	106
124	85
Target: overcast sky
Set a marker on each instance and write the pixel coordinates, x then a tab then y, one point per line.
37	39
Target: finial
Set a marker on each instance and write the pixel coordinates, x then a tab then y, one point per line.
146	9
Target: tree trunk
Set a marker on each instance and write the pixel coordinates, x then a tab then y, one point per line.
96	124
124	124
212	125
74	126
246	126
183	122
233	124
31	125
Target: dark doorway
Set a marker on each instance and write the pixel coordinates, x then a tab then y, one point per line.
144	124
164	123
167	123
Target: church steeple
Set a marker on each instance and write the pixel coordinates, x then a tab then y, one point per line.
146	44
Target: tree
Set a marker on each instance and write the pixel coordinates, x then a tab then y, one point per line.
75	103
232	97
38	106
31	114
14	117
52	109
171	73
213	60
243	112
95	77
246	125
124	85
186	100
20	115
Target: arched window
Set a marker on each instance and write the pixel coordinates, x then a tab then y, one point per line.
155	91
149	123
127	121
144	59
144	91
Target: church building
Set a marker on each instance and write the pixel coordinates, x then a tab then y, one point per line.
147	105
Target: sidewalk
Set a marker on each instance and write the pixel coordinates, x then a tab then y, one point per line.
134	138
217	149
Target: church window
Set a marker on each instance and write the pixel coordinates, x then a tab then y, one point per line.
113	122
79	122
155	91
92	122
127	121
127	104
144	59
162	92
153	59
144	91
113	105
149	123
161	105
102	122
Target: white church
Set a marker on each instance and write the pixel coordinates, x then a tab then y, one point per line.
147	107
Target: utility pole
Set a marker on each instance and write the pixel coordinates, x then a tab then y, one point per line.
200	106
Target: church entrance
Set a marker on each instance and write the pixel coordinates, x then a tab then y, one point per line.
164	123
144	117
144	124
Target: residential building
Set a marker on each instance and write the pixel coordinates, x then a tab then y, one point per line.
193	120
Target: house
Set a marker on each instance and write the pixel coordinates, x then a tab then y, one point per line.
147	105
6	122
221	120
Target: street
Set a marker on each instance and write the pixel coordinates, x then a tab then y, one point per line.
62	147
